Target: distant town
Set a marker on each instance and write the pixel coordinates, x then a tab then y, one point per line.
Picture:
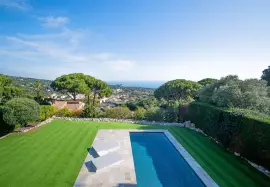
121	94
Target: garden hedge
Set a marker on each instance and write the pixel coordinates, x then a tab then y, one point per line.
47	111
238	130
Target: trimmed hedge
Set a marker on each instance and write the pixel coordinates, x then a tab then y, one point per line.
118	113
47	111
238	130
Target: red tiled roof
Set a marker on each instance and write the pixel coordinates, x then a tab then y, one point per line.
72	105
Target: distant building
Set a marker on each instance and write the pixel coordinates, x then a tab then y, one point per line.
72	105
78	96
103	100
62	96
53	96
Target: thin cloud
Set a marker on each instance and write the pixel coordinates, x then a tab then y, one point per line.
64	52
121	65
22	5
53	22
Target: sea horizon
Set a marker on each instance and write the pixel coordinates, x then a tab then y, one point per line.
142	84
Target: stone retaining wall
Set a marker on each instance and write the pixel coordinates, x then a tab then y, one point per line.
143	122
28	128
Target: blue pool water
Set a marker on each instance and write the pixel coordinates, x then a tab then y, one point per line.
159	164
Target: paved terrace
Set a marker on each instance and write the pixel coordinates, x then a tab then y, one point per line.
123	174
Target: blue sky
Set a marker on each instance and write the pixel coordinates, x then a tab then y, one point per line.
135	39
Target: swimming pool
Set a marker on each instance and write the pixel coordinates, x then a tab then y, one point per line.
159	164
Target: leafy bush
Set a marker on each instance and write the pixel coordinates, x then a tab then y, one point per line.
21	111
148	102
172	112
132	105
64	112
88	111
47	111
139	113
155	114
250	94
243	131
118	113
227	96
76	113
4	127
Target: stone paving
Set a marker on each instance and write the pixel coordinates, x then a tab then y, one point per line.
123	174
119	175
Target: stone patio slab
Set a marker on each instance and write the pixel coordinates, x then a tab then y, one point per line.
102	147
107	160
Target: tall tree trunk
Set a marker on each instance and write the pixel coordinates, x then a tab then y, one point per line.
94	100
74	96
180	111
88	99
38	99
37	93
179	114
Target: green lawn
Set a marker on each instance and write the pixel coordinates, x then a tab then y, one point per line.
53	155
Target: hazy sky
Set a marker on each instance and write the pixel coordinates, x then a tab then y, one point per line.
135	39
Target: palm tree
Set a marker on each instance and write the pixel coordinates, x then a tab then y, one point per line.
38	87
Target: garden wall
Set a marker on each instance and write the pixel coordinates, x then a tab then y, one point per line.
143	122
235	130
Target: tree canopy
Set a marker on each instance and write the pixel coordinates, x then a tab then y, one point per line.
147	103
207	81
38	87
90	82
101	89
7	90
74	84
177	90
230	91
266	75
5	80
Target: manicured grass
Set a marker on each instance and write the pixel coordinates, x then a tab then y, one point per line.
225	168
53	155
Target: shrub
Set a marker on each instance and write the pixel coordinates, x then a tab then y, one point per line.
139	113
243	131
4	127
88	111
155	114
64	112
171	112
21	111
118	113
76	113
132	105
148	102
47	111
